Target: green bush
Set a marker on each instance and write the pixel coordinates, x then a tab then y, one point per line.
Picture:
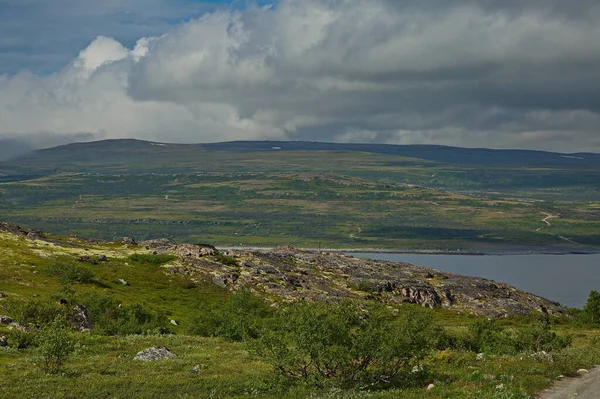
239	319
539	337
226	260
54	345
70	273
109	317
36	311
152	260
590	314
490	337
21	339
340	345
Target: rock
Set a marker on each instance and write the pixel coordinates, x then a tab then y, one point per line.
196	369
430	387
102	258
87	259
195	250
21	327
123	282
160	243
127	240
174	323
3	342
155	353
3	295
542	356
81	321
582	371
6	320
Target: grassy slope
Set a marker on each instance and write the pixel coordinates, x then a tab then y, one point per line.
103	366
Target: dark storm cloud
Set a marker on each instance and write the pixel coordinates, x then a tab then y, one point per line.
474	73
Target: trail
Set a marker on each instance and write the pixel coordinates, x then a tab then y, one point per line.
547	219
586	386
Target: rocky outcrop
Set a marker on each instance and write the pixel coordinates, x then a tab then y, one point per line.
160	243
13	324
155	353
295	275
195	250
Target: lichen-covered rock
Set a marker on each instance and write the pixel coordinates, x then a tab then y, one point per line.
294	275
6	320
155	353
80	319
195	250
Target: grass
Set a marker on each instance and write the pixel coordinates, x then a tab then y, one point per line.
103	367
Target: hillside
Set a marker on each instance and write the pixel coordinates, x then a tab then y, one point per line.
221	314
303	194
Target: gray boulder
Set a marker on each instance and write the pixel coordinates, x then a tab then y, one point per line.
6	320
81	321
155	353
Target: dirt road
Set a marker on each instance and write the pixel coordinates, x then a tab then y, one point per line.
586	386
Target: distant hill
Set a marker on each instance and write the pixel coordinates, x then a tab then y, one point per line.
130	151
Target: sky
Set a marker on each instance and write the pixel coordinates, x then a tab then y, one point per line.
472	73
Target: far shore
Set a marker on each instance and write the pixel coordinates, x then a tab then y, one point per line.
468	252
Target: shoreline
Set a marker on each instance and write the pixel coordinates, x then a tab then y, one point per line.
464	252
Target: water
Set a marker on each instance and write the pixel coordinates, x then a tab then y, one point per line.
567	279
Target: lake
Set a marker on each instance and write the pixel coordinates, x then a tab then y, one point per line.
567	279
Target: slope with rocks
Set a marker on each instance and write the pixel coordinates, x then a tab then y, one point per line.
287	274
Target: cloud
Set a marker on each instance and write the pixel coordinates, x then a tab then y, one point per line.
519	74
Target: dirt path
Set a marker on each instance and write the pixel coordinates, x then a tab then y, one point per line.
547	219
586	386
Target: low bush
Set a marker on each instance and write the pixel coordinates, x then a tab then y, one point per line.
21	339
109	317
70	273
226	260
239	319
36	311
152	260
338	344
54	345
490	337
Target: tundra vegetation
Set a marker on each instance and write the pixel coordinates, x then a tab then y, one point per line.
249	343
338	196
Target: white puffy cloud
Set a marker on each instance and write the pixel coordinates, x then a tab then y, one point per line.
470	73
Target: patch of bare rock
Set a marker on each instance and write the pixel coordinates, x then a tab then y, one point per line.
296	275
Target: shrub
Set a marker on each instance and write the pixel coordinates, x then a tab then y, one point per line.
238	320
590	314
37	311
54	345
21	339
152	260
69	273
109	317
338	344
489	336
226	260
540	338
